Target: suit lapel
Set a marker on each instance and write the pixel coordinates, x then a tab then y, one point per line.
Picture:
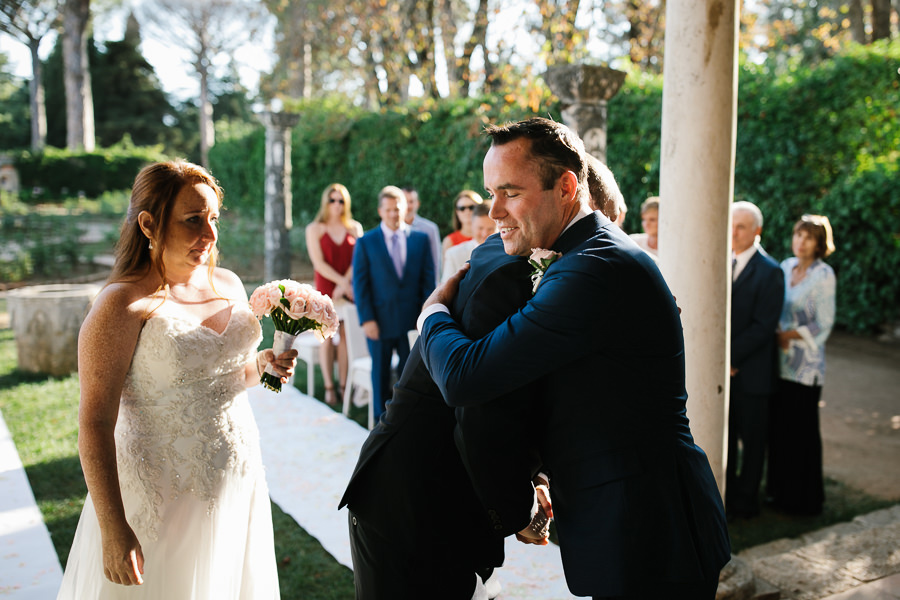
388	263
749	269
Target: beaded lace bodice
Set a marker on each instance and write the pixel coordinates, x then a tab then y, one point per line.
185	424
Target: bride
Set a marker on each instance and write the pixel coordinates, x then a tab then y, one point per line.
177	500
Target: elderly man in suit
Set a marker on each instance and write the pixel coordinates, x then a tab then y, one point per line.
393	273
757	293
637	509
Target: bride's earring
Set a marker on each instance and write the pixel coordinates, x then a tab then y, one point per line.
150	246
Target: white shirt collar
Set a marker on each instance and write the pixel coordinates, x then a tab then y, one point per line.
742	259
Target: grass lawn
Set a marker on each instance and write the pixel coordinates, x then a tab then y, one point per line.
41	413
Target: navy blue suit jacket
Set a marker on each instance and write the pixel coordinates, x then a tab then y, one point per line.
756	299
380	295
634	498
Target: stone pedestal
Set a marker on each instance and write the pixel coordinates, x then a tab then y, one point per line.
45	320
584	91
278	193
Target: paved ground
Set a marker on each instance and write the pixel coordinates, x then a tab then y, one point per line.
860	416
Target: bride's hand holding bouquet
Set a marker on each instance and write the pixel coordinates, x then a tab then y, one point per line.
294	308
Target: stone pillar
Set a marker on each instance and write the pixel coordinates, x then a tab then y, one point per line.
278	193
696	188
45	320
584	91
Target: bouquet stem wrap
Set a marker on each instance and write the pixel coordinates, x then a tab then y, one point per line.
281	343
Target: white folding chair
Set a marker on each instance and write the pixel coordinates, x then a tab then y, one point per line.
307	346
359	372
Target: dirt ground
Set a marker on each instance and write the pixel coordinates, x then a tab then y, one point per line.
860	414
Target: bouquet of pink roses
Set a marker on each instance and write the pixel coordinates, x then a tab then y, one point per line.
294	308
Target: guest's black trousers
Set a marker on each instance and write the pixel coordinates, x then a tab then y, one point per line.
385	570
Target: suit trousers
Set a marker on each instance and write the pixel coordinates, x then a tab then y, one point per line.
382	351
748	421
384	570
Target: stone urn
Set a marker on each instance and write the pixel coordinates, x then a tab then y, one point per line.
45	320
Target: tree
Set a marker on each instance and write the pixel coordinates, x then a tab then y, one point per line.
29	21
128	96
77	76
208	29
13	108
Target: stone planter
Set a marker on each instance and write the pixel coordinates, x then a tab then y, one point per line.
45	320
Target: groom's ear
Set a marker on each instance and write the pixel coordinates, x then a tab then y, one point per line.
568	186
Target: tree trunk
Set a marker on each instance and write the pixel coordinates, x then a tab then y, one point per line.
857	22
479	38
297	60
79	102
881	19
449	28
38	108
207	131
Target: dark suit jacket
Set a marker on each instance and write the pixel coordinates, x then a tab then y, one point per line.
756	299
410	482
380	295
634	498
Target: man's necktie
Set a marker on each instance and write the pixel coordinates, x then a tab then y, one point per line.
395	254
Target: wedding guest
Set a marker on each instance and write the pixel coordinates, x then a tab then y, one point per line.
177	500
630	487
795	482
330	240
482	227
757	293
605	195
648	240
417	222
392	275
463	205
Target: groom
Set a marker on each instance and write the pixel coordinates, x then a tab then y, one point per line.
637	509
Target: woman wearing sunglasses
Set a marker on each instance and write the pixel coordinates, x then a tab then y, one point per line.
463	206
330	241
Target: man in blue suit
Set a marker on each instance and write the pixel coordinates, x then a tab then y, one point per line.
757	293
637	508
393	273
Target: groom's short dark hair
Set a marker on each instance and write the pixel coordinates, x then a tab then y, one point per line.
554	147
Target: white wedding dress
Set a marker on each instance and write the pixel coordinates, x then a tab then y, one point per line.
190	471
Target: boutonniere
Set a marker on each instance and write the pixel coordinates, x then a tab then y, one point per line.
540	259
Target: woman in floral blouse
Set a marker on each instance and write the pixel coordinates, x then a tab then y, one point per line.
795	482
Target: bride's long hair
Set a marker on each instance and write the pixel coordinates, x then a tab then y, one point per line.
155	189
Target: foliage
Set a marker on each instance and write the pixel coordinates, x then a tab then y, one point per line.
825	140
366	151
55	173
14	119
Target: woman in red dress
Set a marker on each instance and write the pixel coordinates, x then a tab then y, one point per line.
330	241
463	206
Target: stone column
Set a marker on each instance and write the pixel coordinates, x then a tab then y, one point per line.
45	320
584	91
696	188
278	193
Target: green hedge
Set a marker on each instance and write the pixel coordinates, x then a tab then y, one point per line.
55	174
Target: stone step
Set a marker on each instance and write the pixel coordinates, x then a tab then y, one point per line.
831	560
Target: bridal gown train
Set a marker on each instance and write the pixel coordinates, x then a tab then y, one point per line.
190	472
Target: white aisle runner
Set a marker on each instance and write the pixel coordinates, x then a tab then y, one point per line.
310	451
29	568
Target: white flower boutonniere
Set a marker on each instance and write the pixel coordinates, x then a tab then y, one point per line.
540	259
